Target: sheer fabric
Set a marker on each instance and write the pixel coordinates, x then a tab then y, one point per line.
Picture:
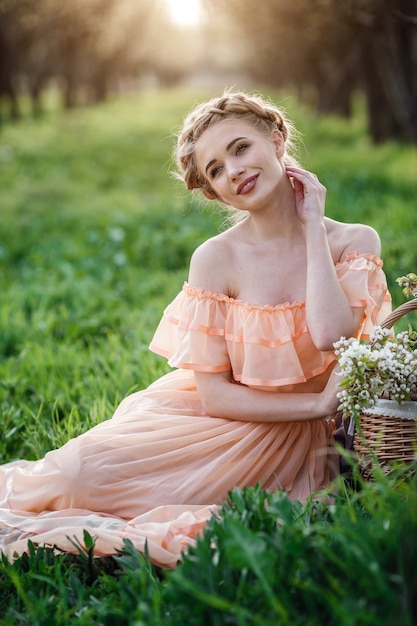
159	468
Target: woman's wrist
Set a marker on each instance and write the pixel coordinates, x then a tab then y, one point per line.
315	227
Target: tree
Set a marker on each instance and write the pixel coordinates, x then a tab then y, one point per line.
327	49
388	45
85	47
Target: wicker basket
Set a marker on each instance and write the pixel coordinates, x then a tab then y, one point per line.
388	434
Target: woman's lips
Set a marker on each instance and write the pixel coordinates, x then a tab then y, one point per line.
247	185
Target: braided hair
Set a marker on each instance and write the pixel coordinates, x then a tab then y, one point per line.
251	108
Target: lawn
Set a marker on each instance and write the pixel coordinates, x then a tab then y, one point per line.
95	240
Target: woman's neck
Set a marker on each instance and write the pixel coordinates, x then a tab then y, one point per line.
277	221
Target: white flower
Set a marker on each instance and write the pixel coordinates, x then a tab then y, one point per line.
385	367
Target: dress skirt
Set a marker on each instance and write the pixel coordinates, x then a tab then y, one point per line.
155	472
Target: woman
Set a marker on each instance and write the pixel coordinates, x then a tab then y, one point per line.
251	335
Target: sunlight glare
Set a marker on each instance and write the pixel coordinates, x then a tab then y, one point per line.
184	12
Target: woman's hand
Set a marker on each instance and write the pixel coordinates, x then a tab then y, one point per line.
310	194
329	394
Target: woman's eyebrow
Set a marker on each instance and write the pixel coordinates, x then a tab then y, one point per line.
232	143
228	147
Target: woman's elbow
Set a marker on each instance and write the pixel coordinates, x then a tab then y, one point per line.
324	341
325	347
210	394
215	394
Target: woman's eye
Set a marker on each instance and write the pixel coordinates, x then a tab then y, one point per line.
215	171
241	148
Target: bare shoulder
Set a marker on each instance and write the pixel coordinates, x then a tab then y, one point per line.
344	238
210	263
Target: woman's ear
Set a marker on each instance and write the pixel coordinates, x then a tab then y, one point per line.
279	143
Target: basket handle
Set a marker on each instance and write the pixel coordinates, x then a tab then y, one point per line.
399	312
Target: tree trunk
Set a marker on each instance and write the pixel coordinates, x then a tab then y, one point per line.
335	90
389	60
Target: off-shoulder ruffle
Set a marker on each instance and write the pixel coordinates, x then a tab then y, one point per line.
364	283
263	345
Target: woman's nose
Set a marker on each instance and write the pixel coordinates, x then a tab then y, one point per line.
235	172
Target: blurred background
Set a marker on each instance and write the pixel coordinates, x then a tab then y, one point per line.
324	50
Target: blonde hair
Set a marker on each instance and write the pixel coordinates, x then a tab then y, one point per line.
252	108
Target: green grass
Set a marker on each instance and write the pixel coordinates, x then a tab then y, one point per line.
265	560
95	240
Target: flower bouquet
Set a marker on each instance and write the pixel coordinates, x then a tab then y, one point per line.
379	388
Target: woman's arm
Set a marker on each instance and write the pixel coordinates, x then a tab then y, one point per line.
222	397
328	311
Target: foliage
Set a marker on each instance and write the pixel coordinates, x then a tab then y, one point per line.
43	588
91	48
349	562
95	240
87	49
361	45
408	284
267	560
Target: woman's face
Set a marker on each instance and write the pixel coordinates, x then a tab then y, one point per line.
241	162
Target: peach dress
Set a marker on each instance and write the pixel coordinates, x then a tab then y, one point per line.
160	467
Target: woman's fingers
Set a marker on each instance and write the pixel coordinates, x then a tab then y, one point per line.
331	390
310	194
303	176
